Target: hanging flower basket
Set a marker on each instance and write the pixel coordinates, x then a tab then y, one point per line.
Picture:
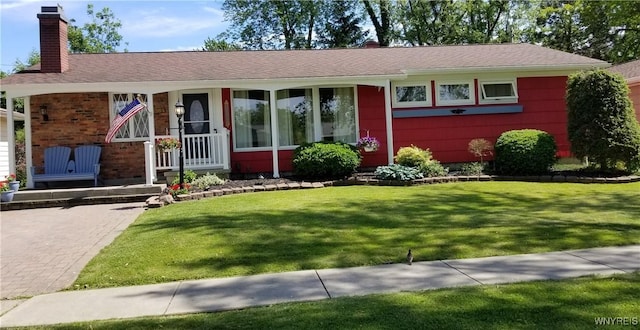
167	144
368	144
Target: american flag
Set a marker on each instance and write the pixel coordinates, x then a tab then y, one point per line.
125	114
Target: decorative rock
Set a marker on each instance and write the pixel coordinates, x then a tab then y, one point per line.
270	187
227	191
248	189
217	192
236	190
282	186
306	185
318	185
258	188
294	185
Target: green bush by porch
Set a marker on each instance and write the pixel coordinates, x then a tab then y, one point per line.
363	225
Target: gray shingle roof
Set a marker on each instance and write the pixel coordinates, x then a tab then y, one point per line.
629	70
261	65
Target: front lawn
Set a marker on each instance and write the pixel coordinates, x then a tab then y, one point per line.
583	303
363	225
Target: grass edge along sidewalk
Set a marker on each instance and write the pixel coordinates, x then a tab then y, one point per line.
354	226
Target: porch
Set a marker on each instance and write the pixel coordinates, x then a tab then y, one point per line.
69	197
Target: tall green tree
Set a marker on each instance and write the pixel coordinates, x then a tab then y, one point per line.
342	24
601	122
429	22
212	45
606	30
264	24
381	13
99	36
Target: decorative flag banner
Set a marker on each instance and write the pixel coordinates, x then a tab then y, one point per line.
123	116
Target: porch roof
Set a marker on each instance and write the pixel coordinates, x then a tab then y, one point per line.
300	64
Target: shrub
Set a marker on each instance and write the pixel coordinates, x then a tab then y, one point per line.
433	168
413	156
206	181
474	168
325	160
601	123
526	151
397	172
189	176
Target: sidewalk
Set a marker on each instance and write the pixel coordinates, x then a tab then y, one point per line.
240	292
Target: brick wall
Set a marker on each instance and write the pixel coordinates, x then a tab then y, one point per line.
83	118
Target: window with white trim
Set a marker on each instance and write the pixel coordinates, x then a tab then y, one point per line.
136	128
295	116
455	93
251	118
338	114
498	92
411	95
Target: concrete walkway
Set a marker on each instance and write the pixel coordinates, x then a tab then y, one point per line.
259	290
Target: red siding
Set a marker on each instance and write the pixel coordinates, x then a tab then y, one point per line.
448	136
372	117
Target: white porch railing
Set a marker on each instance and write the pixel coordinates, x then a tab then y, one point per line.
200	151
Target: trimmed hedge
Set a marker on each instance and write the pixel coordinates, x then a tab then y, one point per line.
524	152
325	160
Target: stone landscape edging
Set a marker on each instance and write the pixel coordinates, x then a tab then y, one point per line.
367	180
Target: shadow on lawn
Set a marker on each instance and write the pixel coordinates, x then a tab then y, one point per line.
436	222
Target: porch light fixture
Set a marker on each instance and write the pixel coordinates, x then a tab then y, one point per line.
179	108
43	112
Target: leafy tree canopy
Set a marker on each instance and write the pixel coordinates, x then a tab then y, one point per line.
99	36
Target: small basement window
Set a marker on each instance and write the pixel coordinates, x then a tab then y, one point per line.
411	95
498	92
455	93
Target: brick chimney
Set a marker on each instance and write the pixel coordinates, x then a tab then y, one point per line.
371	44
54	54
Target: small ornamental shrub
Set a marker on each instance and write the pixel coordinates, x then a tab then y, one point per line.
413	156
325	160
397	172
480	148
433	168
189	176
525	152
474	168
206	181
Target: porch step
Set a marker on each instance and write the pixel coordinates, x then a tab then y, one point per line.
28	199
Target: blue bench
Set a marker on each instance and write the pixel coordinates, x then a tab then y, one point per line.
59	167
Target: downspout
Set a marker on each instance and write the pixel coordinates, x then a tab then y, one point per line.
388	121
274	133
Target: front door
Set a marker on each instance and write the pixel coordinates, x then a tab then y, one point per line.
197	128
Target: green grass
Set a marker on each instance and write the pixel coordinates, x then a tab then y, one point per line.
363	225
566	304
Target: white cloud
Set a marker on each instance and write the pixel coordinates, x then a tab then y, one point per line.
170	22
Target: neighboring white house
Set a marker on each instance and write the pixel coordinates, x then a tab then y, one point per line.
4	140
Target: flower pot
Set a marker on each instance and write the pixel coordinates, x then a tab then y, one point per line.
369	148
14	185
7	196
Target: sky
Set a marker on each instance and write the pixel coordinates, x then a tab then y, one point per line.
146	25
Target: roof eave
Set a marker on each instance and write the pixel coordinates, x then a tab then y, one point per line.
506	69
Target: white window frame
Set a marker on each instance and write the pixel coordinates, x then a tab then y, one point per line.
233	124
472	93
131	122
497	100
397	104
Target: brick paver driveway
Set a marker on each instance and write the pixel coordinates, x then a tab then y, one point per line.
43	250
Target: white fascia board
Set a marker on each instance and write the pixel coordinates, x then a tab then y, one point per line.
152	87
533	69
